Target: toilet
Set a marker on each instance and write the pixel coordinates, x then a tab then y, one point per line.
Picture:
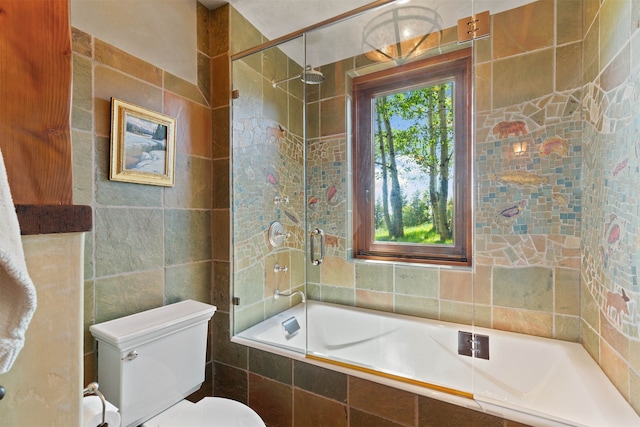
150	361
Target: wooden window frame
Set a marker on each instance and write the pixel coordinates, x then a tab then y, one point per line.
457	66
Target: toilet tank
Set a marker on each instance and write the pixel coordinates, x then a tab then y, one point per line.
151	360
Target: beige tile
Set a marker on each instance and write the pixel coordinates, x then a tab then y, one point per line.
417	306
569	66
128	64
614	28
482	285
523	29
82	167
203	27
483	86
219	30
591	53
110	83
634	390
81	42
617	71
184	88
220	132
381	301
567	328
456	285
204	77
567	291
590	11
457	312
275	104
522	78
614	338
338	272
524	322
193	123
569	17
615	368
82	83
54	262
243	34
333	116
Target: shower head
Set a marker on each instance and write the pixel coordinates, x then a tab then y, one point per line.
309	76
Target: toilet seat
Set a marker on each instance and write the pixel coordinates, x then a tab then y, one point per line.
208	412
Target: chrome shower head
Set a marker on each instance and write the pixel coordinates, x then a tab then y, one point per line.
309	76
312	77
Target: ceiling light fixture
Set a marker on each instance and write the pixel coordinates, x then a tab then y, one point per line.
402	34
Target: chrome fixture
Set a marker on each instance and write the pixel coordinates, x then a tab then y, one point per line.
277	294
402	34
277	235
277	268
473	345
309	76
281	199
314	233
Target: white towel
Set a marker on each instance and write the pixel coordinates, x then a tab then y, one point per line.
17	293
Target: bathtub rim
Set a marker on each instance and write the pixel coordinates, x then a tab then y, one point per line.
477	402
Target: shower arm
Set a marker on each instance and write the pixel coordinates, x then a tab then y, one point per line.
275	82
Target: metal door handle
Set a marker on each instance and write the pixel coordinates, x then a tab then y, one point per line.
314	233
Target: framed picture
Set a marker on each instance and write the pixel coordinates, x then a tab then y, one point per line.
143	145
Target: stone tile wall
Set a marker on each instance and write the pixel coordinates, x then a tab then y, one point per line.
610	290
533	222
150	245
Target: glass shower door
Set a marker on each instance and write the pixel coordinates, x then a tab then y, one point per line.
268	193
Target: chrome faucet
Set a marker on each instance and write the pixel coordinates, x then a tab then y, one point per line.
277	294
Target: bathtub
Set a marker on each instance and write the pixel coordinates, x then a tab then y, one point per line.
537	381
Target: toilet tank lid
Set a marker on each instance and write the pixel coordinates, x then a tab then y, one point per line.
138	328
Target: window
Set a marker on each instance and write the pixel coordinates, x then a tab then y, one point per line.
412	162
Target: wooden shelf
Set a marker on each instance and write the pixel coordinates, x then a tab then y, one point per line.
50	219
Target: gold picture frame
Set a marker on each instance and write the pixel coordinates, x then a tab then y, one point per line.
143	145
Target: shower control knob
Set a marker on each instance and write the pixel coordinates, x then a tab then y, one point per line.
3	391
277	268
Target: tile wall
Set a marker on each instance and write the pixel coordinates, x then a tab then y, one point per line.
150	245
527	273
611	173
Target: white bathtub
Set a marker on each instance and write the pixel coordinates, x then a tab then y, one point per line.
537	381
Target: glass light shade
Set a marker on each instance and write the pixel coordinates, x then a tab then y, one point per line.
402	34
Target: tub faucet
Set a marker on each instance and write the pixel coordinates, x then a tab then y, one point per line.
277	294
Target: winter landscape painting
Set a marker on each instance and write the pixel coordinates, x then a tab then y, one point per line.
142	145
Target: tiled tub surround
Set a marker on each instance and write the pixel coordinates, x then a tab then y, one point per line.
520	377
540	252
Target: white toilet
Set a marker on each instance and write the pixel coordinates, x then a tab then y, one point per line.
150	361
